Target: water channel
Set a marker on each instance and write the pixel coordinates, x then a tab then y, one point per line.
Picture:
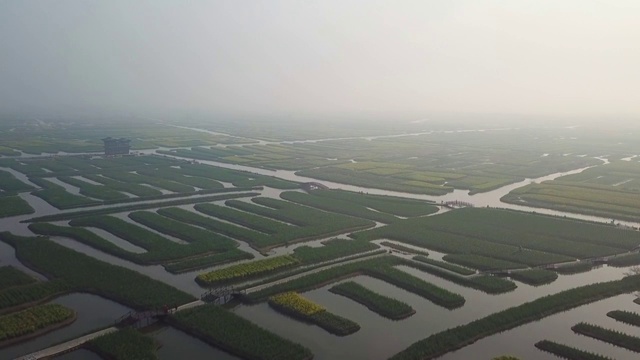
378	338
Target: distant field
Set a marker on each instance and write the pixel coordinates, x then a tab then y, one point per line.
490	239
611	191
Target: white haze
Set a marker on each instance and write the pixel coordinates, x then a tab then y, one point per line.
322	58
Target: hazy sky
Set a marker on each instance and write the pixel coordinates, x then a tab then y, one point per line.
567	57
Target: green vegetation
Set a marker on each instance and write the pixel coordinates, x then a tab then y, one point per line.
567	352
625	260
10	277
58	197
279	222
611	336
10	184
445	265
298	307
14	205
626	317
206	261
477	236
460	336
380	268
535	277
232	333
141	206
332	249
125	344
506	357
404	248
574	267
16	298
610	191
247	270
237	178
382	305
94	191
84	273
35	319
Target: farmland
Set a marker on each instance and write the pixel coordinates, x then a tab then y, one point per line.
125	344
382	305
27	322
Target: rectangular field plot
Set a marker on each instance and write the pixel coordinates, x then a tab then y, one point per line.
490	239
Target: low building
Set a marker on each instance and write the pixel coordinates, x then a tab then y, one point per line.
119	146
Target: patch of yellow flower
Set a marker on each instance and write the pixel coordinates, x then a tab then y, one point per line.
297	303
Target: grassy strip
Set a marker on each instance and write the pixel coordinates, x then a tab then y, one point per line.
385	204
247	270
135	189
254	222
611	336
159	248
381	305
230	332
207	261
625	260
94	191
485	283
58	197
574	268
13	206
180	230
10	183
84	273
337	206
380	268
10	277
534	277
17	298
567	352
482	263
151	205
332	249
452	339
26	322
404	248
296	306
125	344
445	265
626	317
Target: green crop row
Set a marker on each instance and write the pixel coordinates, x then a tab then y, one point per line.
485	283
535	277
22	296
449	340
132	178
10	183
249	220
101	192
332	249
158	247
13	206
173	174
84	273
135	189
382	305
180	230
574	267
626	317
10	277
247	270
206	261
33	319
445	265
567	352
58	197
296	306
625	260
404	248
337	206
386	204
380	268
125	344
232	333
482	263
611	336
142	206
237	178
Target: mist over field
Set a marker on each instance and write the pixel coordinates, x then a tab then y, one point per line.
329	60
